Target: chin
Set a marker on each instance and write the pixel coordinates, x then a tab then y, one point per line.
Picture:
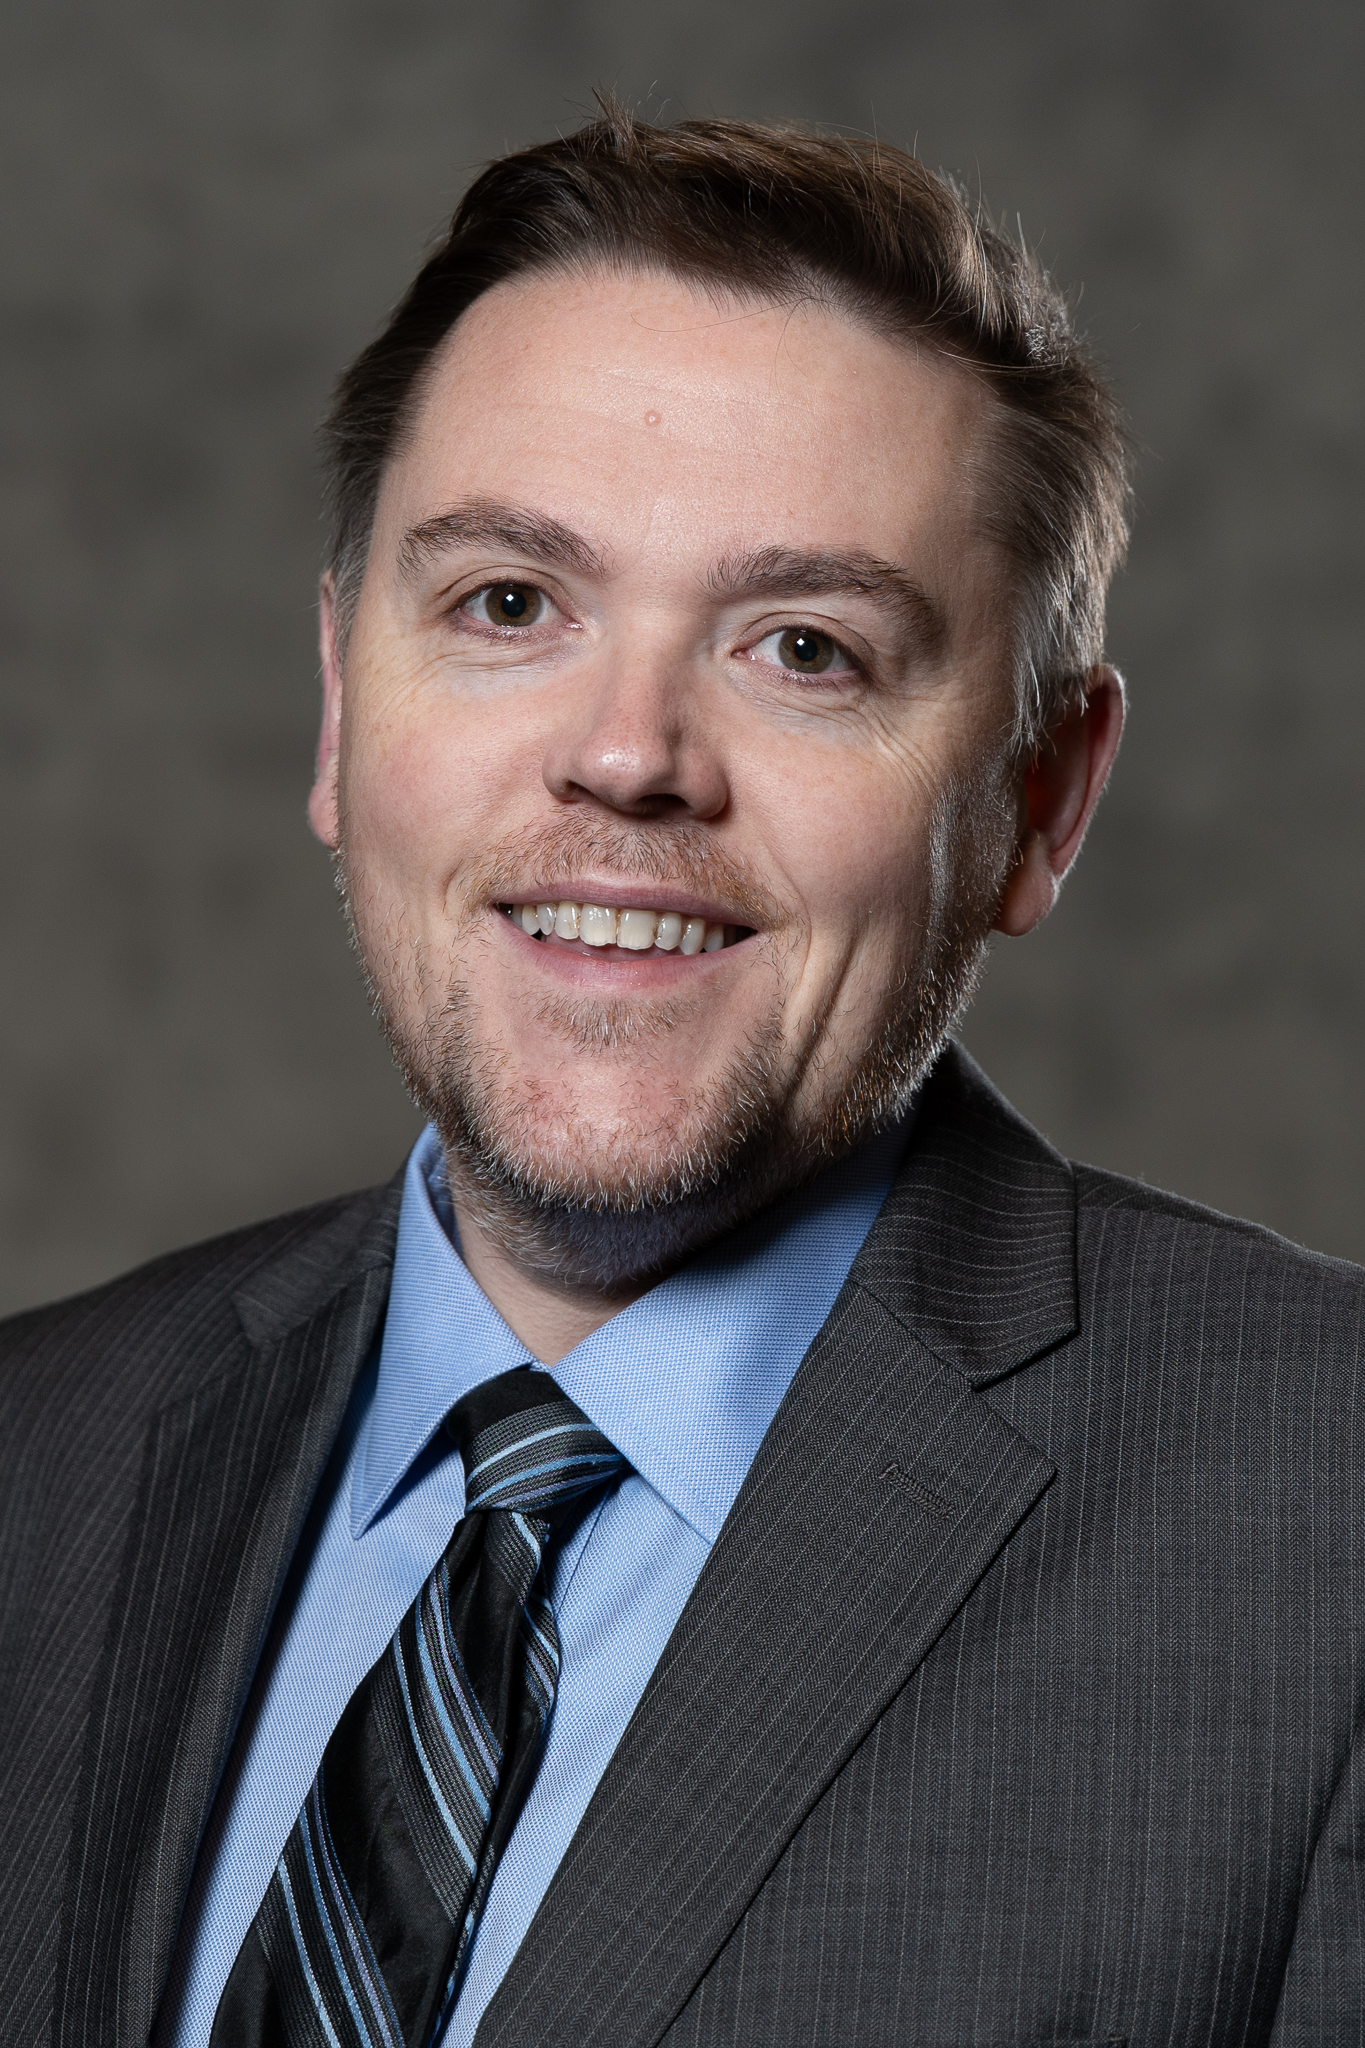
610	1225
603	1165
612	1198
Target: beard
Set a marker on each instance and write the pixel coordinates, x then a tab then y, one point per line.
611	1215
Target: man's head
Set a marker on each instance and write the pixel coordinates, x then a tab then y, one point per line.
723	524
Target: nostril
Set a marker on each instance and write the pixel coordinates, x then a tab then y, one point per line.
652	808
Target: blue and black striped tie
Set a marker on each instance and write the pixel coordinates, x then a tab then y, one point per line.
363	1934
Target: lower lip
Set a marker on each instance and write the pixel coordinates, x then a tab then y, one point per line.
616	966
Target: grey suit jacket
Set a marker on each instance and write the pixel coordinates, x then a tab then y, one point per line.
1016	1702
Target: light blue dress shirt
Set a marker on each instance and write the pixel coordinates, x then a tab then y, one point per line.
684	1382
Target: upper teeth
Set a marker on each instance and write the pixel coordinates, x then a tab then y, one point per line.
636	930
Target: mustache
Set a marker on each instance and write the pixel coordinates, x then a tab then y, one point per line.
682	855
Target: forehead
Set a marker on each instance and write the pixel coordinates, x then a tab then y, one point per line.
646	411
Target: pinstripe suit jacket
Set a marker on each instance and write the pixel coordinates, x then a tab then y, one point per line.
1015	1703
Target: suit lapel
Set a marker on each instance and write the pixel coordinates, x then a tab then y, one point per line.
228	1477
882	1492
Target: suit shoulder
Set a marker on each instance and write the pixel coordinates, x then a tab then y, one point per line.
187	1296
223	1262
1206	1236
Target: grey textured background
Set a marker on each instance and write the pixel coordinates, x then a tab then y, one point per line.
207	210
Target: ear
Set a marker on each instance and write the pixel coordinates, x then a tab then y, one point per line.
322	801
1060	791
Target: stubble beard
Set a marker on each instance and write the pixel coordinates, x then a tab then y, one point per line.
610	1218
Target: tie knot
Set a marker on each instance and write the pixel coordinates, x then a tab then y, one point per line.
525	1445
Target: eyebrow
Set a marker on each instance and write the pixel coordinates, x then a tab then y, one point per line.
511	529
794	573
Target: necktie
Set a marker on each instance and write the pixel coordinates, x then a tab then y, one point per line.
363	1932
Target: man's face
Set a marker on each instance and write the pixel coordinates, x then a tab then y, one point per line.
677	609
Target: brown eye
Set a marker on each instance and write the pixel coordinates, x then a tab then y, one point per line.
807	652
510	604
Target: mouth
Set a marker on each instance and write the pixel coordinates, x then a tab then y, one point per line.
618	931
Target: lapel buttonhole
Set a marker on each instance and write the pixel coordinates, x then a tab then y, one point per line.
897	1476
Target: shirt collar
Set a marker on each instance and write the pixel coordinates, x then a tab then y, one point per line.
685	1381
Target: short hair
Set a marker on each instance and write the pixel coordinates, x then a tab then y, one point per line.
785	214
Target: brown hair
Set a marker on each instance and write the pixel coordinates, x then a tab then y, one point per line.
784	213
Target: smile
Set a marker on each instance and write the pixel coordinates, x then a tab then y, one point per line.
630	931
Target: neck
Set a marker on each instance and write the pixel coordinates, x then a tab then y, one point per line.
549	1316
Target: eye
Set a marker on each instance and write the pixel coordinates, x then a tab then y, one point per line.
804	651
506	604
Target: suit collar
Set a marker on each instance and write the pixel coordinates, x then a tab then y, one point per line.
228	1476
975	1250
884	1490
286	1292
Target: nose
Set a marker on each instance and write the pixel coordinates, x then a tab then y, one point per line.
633	741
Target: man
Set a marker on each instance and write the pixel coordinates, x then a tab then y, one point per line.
911	1595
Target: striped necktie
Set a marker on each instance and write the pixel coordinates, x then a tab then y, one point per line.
365	1928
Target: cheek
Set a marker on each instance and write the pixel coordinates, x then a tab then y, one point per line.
853	837
421	795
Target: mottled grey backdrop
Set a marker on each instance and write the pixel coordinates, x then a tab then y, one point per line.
207	209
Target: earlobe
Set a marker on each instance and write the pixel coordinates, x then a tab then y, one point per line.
323	813
1061	788
1031	888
